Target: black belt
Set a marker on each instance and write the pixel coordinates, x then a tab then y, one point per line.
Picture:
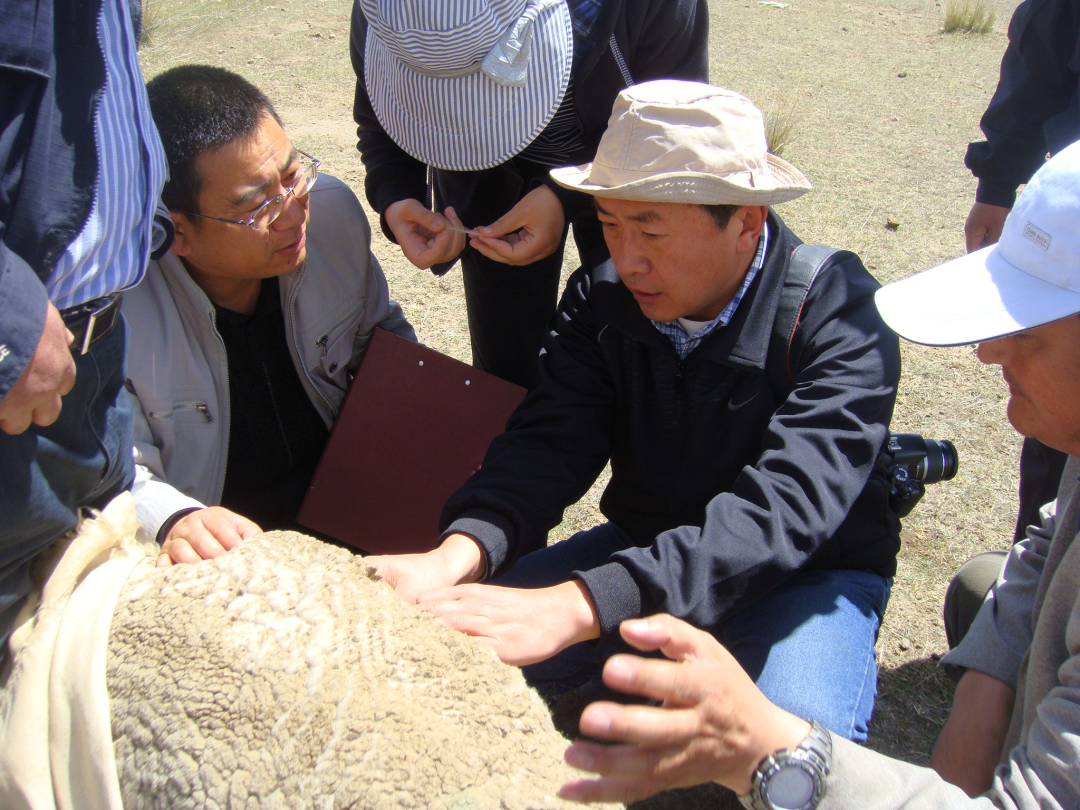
92	322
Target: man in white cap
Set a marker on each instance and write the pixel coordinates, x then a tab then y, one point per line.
742	414
1013	737
463	107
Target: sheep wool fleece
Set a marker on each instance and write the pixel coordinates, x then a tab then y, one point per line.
281	675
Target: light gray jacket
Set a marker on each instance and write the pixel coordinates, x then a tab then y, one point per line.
1027	634
178	373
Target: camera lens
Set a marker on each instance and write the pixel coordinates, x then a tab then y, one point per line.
941	461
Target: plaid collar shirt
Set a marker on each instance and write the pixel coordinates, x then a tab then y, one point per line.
583	13
682	340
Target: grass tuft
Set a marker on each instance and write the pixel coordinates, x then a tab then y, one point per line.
968	17
782	120
153	15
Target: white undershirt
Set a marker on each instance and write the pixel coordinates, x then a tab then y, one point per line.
692	327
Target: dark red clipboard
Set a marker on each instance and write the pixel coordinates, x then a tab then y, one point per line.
413	426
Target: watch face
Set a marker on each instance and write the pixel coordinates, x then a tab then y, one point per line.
790	788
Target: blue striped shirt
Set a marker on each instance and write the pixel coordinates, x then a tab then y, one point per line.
111	250
683	341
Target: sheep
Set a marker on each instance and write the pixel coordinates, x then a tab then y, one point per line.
282	675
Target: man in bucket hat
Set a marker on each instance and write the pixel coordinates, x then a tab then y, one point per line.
744	494
473	103
1013	736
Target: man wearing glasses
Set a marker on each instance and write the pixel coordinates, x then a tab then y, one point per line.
245	335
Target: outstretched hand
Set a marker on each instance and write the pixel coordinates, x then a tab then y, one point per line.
522	625
423	235
528	232
457	559
714	725
205	534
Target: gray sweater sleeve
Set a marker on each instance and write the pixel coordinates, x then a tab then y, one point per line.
1001	633
871	781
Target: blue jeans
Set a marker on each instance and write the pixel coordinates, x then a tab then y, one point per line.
808	644
47	474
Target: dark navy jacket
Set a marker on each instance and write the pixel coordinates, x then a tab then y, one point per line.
1036	108
51	78
728	476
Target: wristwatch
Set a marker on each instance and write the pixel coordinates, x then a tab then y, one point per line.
792	779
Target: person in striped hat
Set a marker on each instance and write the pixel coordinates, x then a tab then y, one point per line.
462	108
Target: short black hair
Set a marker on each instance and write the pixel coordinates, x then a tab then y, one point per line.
200	107
721	214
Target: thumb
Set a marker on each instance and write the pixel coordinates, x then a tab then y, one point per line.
429	219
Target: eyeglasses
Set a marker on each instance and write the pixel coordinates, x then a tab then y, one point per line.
263	216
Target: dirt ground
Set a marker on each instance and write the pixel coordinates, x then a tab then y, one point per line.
886	105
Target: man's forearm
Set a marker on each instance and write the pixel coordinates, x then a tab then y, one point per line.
970	745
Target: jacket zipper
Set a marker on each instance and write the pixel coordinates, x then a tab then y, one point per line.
620	61
680	389
184	406
296	344
228	393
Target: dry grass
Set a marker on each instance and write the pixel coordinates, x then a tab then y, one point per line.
781	120
969	17
886	110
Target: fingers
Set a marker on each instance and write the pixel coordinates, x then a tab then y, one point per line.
667	681
422	235
629	772
644	725
452	593
408	214
454	609
245	528
67	381
35	398
609	789
678	640
514	249
16	423
974	239
206	534
164	560
463	621
984	225
528	232
180	551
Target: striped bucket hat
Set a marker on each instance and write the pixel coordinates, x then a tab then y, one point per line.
466	84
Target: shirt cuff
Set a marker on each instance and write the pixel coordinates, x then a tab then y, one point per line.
989	192
982	650
491	530
615	594
171	521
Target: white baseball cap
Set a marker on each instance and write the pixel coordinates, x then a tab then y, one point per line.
1029	278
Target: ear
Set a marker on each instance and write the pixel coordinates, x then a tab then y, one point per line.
750	219
185	228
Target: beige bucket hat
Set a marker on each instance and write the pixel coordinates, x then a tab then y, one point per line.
685	142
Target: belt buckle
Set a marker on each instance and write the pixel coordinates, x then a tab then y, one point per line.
92	320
